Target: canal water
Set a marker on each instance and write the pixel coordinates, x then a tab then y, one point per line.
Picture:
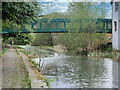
77	71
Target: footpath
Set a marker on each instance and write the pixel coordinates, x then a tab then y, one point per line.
12	73
11	69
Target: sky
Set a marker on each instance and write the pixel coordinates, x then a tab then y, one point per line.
61	6
54	7
74	0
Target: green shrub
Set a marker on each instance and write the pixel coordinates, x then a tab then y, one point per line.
109	55
47	81
109	49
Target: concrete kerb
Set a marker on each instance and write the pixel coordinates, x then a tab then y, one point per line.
35	82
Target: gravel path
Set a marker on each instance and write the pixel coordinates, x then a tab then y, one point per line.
12	74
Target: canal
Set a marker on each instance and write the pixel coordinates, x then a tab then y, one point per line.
76	71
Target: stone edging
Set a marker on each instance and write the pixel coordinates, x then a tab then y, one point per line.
35	82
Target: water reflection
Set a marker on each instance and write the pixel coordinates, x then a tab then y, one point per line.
79	72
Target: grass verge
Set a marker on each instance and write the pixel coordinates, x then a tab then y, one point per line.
3	51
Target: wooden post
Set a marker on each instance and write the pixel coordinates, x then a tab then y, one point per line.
39	58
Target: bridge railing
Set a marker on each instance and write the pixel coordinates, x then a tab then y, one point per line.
56	25
104	25
60	25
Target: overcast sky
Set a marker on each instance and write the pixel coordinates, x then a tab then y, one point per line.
60	6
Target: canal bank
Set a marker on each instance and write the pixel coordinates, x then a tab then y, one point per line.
109	53
36	78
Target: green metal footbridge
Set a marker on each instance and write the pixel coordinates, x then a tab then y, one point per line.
59	26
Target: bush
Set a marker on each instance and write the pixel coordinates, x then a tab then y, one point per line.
109	55
109	49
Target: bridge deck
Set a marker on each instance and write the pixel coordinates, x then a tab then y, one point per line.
59	26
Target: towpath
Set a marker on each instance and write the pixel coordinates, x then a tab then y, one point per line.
12	74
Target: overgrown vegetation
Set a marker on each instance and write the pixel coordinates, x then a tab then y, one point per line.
19	15
17	51
25	52
82	37
106	53
3	51
42	39
80	43
18	39
26	81
34	63
47	81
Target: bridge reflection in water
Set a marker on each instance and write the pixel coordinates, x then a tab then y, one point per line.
59	26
